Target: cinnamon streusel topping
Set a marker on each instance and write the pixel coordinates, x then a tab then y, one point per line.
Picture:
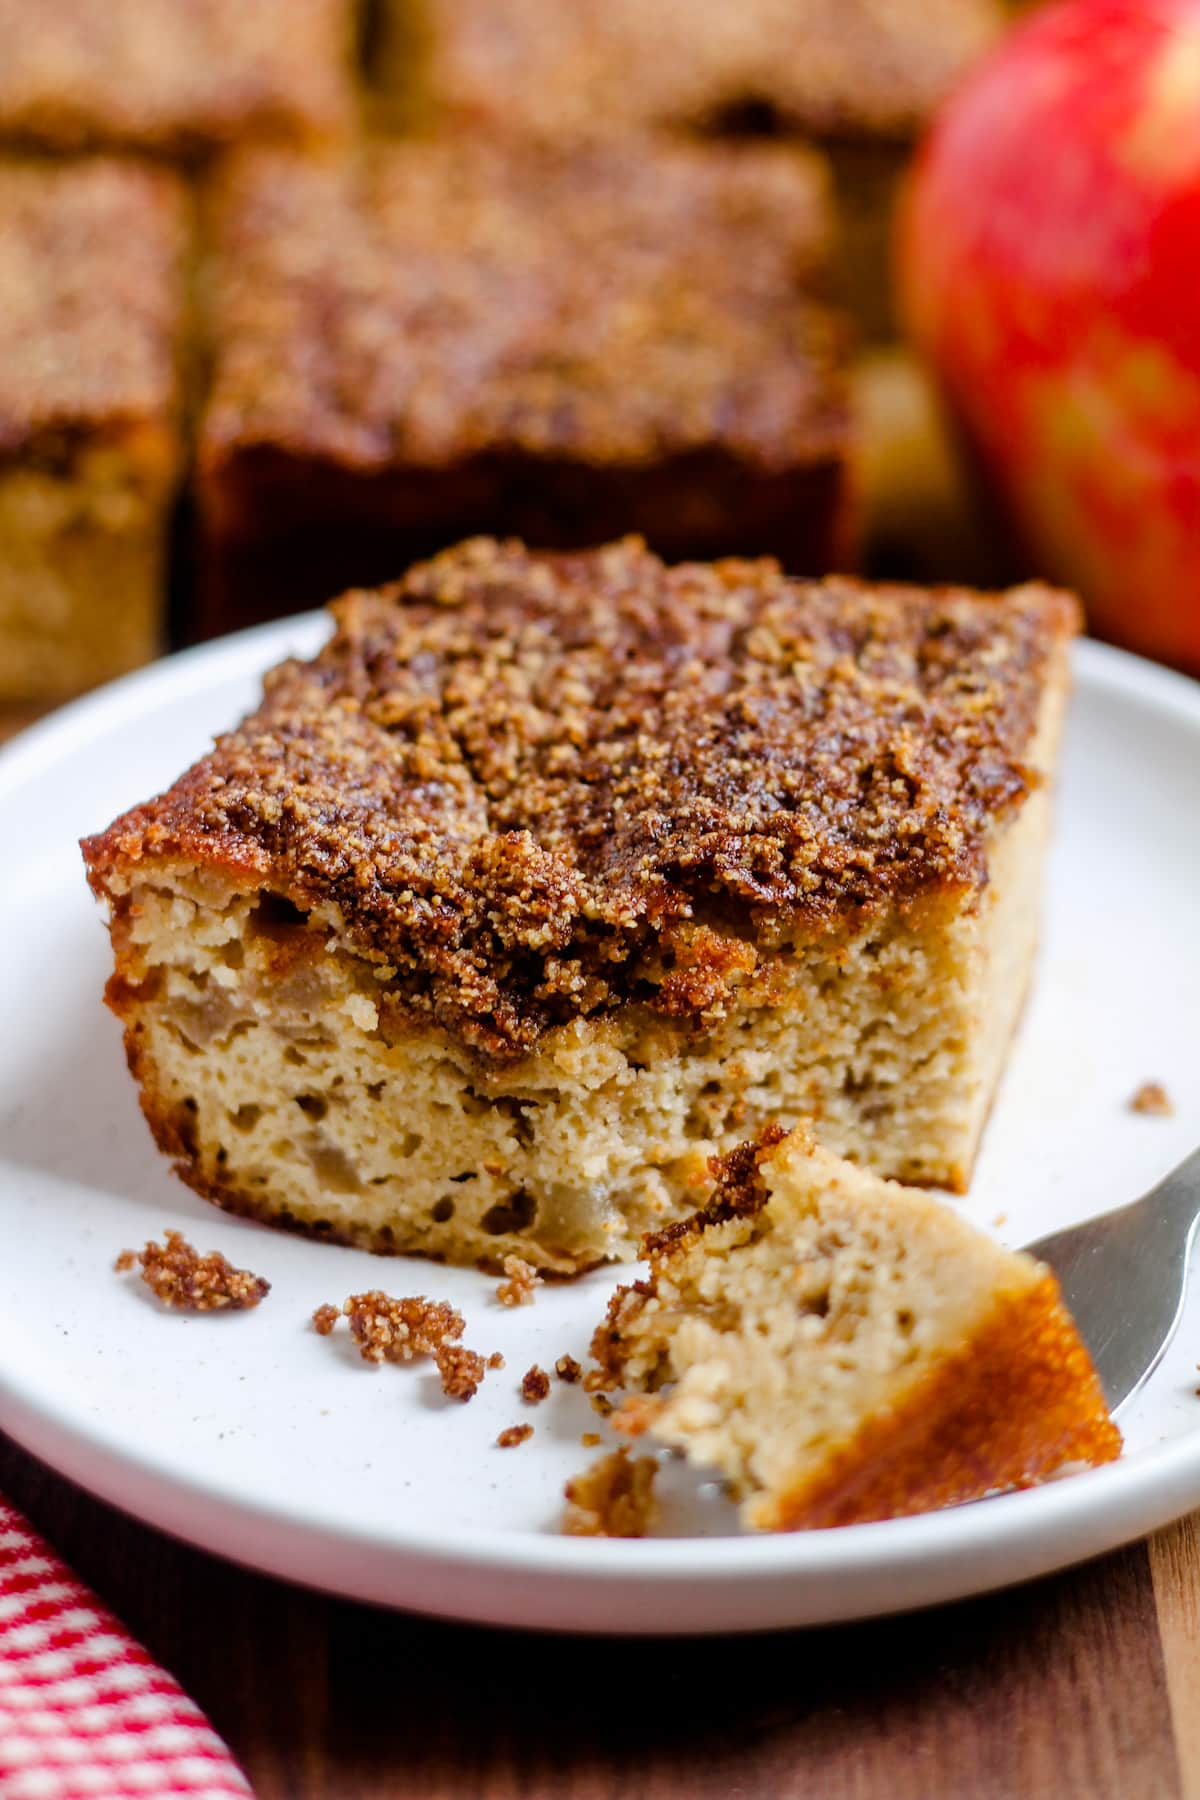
425	302
187	1281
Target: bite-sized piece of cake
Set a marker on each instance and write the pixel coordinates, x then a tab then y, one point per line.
173	77
844	1349
427	340
860	77
552	875
92	270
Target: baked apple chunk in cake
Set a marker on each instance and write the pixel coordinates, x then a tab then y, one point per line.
552	876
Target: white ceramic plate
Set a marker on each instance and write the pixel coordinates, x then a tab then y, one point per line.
252	1436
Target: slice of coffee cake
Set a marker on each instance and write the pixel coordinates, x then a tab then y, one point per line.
844	1349
554	875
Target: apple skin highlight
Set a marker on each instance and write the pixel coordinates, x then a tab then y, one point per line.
1048	260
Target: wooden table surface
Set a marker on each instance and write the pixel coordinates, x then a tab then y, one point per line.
1085	1684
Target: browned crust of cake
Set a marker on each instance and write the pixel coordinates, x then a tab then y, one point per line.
537	788
1015	1405
92	272
848	68
178	77
425	303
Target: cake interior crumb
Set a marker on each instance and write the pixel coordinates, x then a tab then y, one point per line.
522	1279
613	1497
1152	1099
186	1281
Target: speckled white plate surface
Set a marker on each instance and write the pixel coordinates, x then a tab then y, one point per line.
252	1436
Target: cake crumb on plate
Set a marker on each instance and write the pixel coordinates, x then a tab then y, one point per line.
186	1281
513	1435
613	1497
1153	1100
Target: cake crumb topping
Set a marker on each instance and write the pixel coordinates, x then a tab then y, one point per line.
535	1385
568	1370
187	1281
590	1439
388	1329
461	1371
391	1330
613	1497
513	1435
1152	1099
518	1289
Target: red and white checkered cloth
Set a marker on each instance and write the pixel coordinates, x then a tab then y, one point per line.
84	1712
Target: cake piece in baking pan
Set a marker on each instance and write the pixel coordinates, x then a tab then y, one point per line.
860	77
428	340
553	875
179	78
843	1349
92	296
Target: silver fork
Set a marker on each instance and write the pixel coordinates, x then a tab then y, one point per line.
1124	1277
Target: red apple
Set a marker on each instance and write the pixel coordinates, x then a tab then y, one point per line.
1049	259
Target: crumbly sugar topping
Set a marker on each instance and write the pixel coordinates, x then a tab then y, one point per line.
388	1329
91	297
461	1370
512	1435
187	1281
843	67
424	302
537	787
180	76
535	1385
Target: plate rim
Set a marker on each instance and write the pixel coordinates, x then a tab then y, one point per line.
1037	1530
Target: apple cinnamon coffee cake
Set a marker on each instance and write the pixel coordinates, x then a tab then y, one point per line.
861	78
844	1349
426	340
552	875
180	78
93	270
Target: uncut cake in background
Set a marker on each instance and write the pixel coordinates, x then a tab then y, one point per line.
416	341
553	876
859	77
92	278
180	78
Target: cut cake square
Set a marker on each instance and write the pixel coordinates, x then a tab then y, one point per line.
843	1349
180	78
427	340
92	286
553	875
